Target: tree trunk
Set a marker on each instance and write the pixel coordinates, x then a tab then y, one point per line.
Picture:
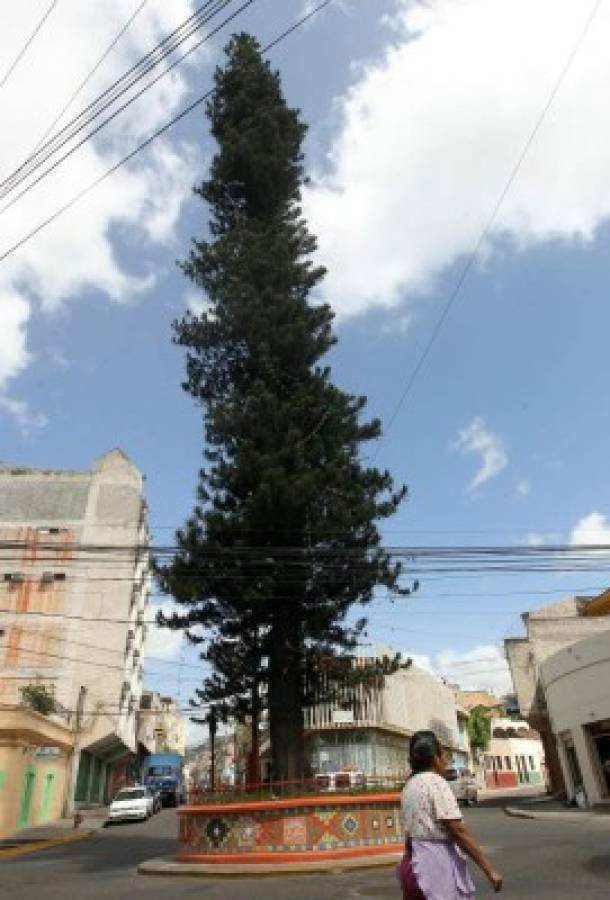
286	723
253	775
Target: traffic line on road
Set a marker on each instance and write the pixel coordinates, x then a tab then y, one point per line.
36	846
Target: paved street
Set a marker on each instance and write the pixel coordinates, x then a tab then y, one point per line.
541	861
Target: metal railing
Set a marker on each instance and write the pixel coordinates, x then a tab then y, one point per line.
341	783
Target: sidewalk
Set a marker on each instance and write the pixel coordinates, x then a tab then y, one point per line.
527	792
62	831
549	809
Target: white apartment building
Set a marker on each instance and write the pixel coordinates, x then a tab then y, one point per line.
74	583
576	683
369	731
548	631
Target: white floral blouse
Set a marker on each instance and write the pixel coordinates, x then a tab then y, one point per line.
426	801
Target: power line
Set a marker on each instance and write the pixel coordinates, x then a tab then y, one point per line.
116	90
486	229
222	5
89	76
87	662
158	133
24	49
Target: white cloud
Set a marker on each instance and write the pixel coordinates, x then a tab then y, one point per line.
478	440
482	668
23	415
77	254
430	133
163	643
523	488
196	301
398	325
591	529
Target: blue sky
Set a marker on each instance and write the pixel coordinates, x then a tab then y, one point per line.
418	113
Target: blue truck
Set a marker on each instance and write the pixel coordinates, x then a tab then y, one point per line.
162	772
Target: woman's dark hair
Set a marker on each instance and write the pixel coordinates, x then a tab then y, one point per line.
423	749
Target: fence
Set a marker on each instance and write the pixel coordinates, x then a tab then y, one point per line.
335	783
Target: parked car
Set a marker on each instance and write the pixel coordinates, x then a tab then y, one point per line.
130	803
339	781
463	784
156	798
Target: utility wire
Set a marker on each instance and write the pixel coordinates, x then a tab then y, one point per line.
24	49
88	76
132	99
486	229
160	131
112	93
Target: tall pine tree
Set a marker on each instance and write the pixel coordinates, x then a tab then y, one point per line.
283	540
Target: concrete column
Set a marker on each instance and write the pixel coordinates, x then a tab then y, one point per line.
565	768
584	751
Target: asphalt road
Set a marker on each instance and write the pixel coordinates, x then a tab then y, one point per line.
540	861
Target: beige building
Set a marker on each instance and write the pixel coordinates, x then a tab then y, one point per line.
35	757
161	725
369	731
576	684
73	594
548	631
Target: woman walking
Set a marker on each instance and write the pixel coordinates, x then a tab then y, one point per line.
434	866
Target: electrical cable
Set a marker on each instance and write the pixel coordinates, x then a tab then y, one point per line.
472	256
114	92
87	78
25	47
222	4
158	133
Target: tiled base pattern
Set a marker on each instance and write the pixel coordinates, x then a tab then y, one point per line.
291	830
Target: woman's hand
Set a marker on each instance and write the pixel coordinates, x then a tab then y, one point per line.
495	879
459	834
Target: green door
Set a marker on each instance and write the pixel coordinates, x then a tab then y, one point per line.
82	779
26	798
47	797
96	781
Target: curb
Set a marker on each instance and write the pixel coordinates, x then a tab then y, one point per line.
35	847
519	813
165	867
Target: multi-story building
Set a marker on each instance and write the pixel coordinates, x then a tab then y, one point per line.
161	725
576	684
368	730
73	597
548	631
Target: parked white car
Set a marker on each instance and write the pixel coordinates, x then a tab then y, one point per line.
131	803
463	784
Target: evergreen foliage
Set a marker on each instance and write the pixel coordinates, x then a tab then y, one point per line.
283	541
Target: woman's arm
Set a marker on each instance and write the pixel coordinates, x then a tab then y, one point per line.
460	835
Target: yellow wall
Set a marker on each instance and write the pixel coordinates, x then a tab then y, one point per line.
46	805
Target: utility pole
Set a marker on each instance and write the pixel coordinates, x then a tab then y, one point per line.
212	720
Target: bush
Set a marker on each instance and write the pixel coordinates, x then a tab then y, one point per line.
38	698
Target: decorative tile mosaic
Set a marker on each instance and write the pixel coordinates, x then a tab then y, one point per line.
326	827
295	831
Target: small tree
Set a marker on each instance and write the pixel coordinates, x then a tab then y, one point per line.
479	731
38	698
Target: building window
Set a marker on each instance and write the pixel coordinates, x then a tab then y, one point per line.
499	763
532	766
507	763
